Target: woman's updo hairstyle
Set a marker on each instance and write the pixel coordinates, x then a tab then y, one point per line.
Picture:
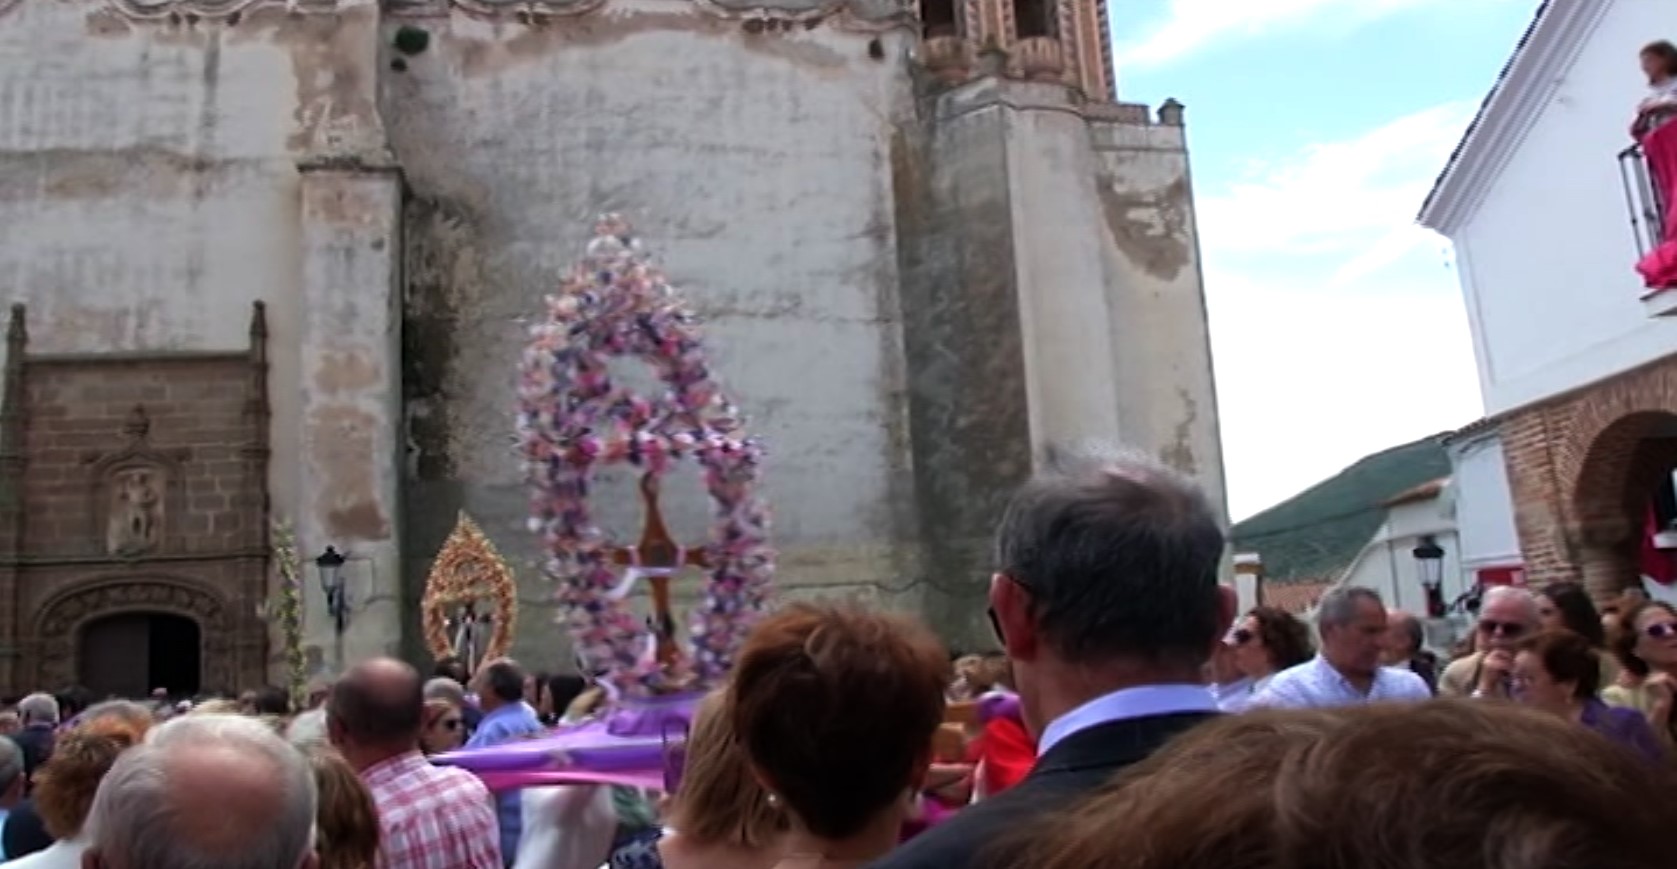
835	706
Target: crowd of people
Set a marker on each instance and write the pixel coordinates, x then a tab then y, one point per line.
1130	717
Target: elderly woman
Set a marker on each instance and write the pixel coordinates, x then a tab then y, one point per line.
65	787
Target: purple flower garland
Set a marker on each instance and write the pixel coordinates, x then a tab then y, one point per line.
573	419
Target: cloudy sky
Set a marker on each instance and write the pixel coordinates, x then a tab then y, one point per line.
1316	129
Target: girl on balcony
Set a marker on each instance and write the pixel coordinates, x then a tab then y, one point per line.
1659	63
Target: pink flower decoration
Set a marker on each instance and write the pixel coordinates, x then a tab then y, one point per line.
572	420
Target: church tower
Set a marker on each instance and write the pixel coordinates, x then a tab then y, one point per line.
1046	40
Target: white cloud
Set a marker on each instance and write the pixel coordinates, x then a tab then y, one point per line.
1190	25
1357	194
1338	327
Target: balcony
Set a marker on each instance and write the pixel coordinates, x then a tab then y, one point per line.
1647	209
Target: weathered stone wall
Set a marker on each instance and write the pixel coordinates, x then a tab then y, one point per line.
149	193
909	289
757	165
1161	363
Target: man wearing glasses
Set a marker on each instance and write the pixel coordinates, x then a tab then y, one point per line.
1507	616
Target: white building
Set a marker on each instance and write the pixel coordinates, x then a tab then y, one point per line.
1578	371
1389	564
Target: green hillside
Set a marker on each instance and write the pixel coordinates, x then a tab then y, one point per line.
1316	533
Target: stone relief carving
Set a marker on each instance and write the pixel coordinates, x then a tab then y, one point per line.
859	14
134	525
217	9
131	489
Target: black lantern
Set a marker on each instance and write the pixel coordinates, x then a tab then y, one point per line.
331	567
1429	559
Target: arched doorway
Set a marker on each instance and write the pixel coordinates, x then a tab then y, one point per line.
1623	493
129	654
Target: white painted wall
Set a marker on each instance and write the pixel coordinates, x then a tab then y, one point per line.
1484	507
1546	261
1388	566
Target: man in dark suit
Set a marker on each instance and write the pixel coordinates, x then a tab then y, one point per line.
1107	601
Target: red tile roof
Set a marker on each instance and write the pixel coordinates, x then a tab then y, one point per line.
1294	597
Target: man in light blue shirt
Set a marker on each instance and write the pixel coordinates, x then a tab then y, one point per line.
1347	671
506	717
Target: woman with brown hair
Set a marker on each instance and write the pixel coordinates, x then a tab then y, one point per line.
1265	642
1645	642
346	820
444	727
1558	671
65	786
835	707
1483	785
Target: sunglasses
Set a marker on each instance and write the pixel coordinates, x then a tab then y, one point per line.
1240	637
449	724
1661	630
1501	629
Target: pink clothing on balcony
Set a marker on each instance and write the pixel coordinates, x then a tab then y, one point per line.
1659	147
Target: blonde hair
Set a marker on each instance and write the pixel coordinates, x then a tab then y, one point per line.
217	707
66	784
346	819
718	800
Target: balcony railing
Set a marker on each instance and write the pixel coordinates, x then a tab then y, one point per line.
1642	198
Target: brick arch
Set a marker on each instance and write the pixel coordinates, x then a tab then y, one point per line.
1604	426
1605	486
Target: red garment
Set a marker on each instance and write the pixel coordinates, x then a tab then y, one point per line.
1659	267
1657	564
1007	752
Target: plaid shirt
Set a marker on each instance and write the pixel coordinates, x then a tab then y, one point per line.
432	817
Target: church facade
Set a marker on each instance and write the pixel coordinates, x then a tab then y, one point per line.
271	261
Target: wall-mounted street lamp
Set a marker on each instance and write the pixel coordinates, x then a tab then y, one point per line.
1429	559
331	567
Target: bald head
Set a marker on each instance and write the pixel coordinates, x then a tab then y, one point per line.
377	704
207	792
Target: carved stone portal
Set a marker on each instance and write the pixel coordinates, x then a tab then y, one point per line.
62	620
134	525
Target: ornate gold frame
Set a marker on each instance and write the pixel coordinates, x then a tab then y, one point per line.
453	581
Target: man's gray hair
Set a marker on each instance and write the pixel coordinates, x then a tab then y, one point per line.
11	763
1526	600
126	710
444	688
38	709
1118	555
135	812
1338	607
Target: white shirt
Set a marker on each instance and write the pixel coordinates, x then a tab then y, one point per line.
1315	684
63	854
1236	696
1142	701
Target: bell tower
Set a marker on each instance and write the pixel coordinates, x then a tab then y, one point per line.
1039	40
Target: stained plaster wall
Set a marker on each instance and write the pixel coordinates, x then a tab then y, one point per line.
904	288
149	193
757	167
1052	295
